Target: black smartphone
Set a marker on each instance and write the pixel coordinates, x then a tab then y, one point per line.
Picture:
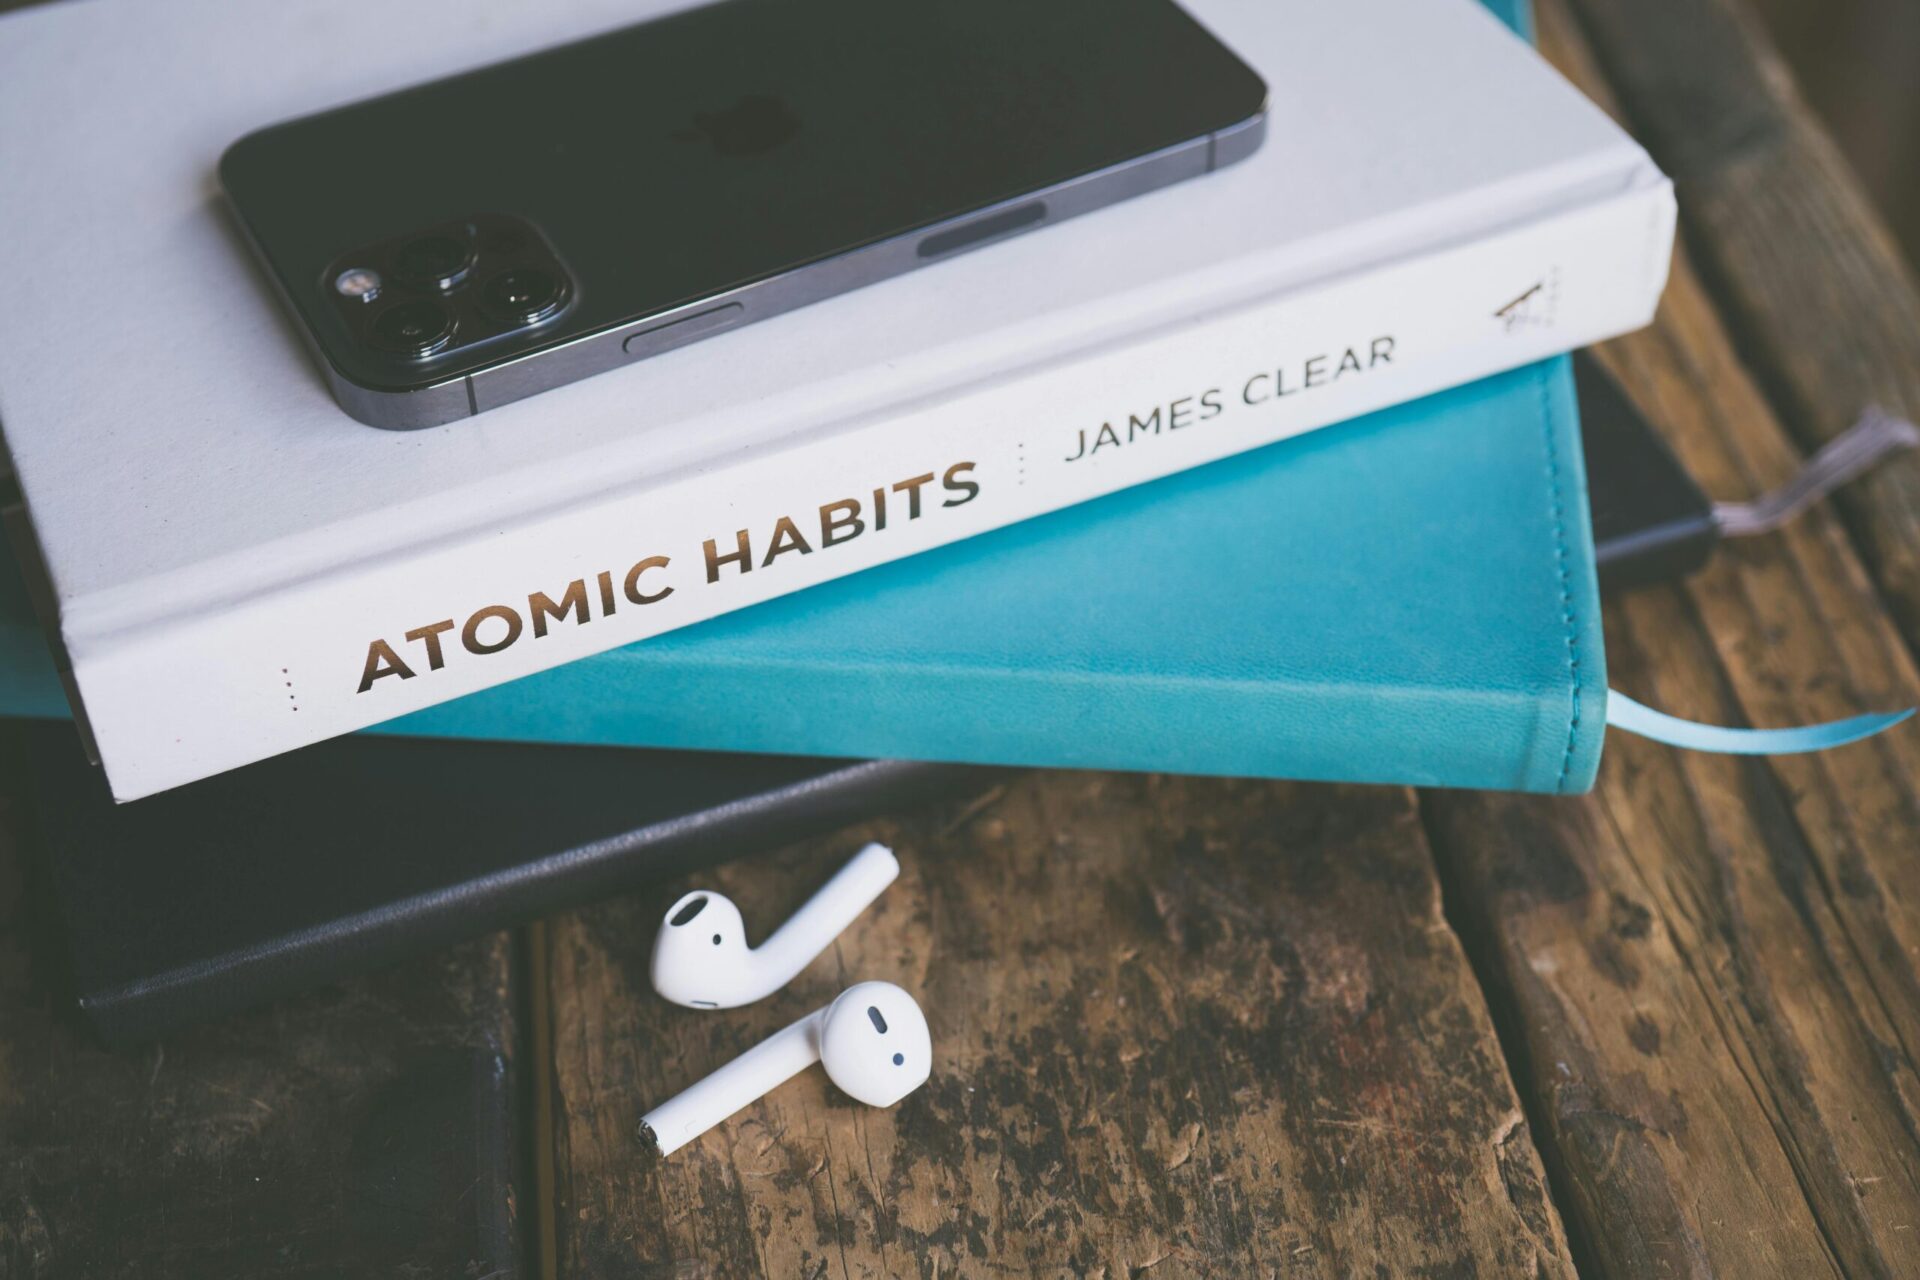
462	244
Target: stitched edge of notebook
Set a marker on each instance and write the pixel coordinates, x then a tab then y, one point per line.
1568	617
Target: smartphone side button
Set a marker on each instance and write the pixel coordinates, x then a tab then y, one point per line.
661	336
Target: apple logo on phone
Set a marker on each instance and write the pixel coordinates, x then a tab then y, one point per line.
752	126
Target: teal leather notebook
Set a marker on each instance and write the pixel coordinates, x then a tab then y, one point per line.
1407	598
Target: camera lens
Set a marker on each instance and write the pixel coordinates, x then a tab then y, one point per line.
414	328
434	262
523	295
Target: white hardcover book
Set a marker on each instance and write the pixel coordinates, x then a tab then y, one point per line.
239	568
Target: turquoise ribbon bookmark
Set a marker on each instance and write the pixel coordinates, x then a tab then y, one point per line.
1624	713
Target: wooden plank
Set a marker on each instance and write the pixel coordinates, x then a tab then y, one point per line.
1707	969
1814	288
364	1130
1181	1027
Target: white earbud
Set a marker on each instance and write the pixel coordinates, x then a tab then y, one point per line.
873	1041
701	958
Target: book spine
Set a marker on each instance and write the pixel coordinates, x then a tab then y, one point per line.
199	695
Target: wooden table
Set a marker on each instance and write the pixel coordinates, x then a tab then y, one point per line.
1193	1027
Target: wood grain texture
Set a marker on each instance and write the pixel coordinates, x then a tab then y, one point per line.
364	1130
1707	969
1181	1027
1811	284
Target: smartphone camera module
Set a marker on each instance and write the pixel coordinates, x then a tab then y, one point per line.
443	290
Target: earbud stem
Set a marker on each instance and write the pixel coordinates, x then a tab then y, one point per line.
749	1077
825	916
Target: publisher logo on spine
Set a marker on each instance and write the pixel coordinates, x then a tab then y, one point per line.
1535	307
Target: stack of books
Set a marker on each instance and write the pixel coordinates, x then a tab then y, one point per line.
1274	473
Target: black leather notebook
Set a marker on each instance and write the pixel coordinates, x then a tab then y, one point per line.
356	852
